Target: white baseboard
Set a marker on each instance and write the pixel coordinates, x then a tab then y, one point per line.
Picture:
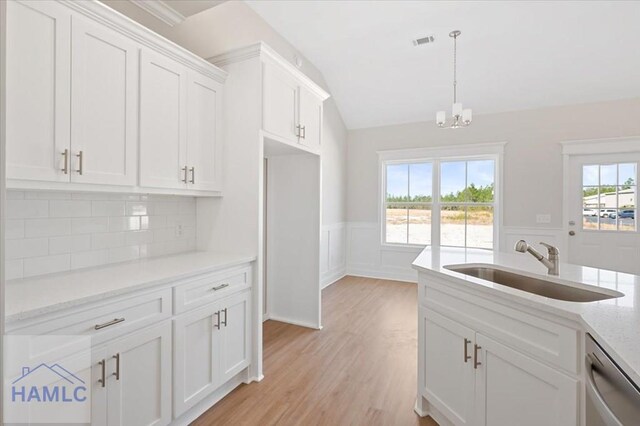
294	322
409	275
333	277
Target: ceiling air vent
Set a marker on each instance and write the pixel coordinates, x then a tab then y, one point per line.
423	40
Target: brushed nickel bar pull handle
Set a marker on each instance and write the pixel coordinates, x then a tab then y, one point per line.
220	287
117	373
298	131
467	357
184	169
217	324
193	174
225	317
476	363
103	366
304	132
79	155
107	324
65	169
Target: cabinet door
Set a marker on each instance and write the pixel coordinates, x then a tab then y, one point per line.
235	331
310	119
195	357
204	141
446	375
163	122
280	98
104	116
98	388
38	90
512	388
139	388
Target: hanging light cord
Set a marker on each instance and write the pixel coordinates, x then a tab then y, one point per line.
455	79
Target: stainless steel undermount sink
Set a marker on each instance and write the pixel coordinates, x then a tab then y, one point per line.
533	285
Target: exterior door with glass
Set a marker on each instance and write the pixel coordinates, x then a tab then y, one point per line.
602	211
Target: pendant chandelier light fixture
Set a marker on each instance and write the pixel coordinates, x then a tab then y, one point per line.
461	117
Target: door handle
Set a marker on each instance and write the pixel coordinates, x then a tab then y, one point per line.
476	363
117	372
220	287
467	357
184	170
572	233
65	169
298	131
103	379
193	174
225	317
107	324
303	132
217	324
79	155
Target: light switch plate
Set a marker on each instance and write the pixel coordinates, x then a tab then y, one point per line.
543	218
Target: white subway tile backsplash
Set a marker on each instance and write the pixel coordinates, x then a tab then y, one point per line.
107	208
89	258
13	269
21	209
14	228
137	208
69	208
69	244
49	232
26	247
88	225
47	227
127	223
107	240
46	265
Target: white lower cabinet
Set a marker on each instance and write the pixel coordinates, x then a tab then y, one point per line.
211	345
471	379
132	379
514	389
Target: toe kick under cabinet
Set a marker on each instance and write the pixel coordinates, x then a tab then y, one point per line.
154	359
487	362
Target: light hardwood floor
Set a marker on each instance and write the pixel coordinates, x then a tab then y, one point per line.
359	370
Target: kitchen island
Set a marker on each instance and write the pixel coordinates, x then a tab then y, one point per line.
492	354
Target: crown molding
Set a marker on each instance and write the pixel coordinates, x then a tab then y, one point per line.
160	10
267	53
103	14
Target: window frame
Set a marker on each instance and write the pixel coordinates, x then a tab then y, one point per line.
436	156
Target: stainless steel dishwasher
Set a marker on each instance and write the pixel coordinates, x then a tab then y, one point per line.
612	398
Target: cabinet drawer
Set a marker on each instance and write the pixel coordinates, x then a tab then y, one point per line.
547	340
207	288
106	319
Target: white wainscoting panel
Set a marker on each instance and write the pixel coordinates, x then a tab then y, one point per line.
333	253
366	257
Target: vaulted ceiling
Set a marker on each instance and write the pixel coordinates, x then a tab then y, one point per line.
512	55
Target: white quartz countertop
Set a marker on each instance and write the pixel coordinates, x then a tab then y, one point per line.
29	297
614	323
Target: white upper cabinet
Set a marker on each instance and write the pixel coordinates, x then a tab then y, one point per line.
204	136
104	125
92	107
310	119
280	109
38	90
163	122
292	104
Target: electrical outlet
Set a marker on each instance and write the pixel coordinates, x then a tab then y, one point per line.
178	230
543	218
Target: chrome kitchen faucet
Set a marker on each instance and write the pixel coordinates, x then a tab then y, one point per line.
552	263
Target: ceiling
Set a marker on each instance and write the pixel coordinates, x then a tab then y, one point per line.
512	55
190	7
